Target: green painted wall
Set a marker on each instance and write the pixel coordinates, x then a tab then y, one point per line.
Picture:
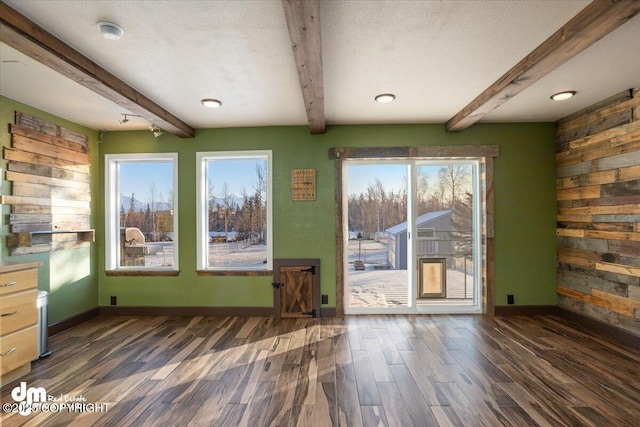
525	215
70	276
525	261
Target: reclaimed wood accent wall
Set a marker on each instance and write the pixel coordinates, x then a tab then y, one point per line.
598	200
49	167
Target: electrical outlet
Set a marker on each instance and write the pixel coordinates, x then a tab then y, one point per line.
325	299
114	300
510	299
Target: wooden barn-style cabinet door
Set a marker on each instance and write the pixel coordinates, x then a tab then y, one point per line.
296	287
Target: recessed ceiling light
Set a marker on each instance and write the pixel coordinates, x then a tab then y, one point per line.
563	96
211	103
385	98
110	31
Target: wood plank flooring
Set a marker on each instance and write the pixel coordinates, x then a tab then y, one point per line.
394	370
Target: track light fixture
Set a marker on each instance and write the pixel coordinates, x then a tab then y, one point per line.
152	126
125	119
155	130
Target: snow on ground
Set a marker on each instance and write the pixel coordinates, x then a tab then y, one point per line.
374	287
369	251
161	259
388	288
232	255
223	254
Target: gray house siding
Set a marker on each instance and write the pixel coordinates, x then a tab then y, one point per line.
440	221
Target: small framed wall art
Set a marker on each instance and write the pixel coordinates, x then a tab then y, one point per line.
303	185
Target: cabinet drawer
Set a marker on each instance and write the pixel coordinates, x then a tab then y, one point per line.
18	311
18	281
17	349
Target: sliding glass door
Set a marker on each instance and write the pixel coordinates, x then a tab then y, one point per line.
447	228
377	203
413	236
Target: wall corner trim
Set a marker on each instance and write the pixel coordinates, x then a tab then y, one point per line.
120	310
592	325
72	321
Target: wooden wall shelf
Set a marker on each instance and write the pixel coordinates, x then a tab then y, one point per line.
31	238
49	168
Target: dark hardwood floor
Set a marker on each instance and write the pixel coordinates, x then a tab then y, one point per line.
394	370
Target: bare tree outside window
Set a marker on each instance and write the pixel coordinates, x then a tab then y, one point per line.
144	235
237	212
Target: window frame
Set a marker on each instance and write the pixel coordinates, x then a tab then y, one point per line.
202	252
112	211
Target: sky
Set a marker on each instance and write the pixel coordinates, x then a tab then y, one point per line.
359	177
240	175
137	177
393	177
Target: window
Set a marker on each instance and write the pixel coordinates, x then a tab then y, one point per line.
141	222
426	233
234	211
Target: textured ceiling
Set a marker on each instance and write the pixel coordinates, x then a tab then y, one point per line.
435	56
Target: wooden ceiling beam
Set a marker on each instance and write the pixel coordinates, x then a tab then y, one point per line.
24	35
303	21
594	22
